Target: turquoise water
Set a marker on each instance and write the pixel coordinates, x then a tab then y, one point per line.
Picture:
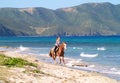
102	54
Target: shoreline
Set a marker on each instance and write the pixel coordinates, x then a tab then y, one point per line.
52	73
79	64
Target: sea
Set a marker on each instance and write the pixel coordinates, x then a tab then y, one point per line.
100	53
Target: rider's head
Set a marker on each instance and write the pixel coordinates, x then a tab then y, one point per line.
58	38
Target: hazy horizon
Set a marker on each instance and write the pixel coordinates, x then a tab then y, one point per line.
50	4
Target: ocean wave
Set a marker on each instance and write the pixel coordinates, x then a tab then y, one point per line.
116	57
46	55
101	48
91	66
111	72
88	55
22	48
3	48
70	62
77	48
113	69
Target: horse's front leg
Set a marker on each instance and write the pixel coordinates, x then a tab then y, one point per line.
54	59
60	59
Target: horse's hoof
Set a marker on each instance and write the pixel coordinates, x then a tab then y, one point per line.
55	63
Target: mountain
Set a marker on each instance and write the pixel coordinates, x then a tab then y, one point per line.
89	19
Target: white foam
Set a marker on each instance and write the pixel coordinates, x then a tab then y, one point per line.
77	48
74	47
46	55
113	69
69	64
73	61
101	48
88	55
111	72
91	66
21	48
78	61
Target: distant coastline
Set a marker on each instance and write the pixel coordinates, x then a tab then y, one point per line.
66	36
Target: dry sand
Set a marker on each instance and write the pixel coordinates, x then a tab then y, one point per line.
49	73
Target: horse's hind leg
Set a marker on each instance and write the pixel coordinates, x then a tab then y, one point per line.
55	62
60	60
63	60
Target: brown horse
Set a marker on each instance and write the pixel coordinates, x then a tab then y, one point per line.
59	53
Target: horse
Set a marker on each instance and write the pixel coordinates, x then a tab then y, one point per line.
59	52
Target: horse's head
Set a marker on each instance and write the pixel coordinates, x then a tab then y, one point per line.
64	45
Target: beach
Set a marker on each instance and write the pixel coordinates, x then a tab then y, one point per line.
49	73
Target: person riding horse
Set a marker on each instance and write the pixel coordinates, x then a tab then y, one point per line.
58	50
57	43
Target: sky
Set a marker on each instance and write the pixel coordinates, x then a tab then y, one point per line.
51	4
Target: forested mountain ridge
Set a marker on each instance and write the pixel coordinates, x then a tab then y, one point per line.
90	19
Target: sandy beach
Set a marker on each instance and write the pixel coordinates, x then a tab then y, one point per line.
48	73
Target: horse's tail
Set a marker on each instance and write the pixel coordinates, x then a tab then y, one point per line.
50	54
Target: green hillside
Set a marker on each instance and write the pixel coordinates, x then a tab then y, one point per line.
90	19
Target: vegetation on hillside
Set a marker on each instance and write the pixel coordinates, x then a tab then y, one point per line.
89	19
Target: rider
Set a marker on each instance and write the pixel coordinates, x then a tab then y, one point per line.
57	43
